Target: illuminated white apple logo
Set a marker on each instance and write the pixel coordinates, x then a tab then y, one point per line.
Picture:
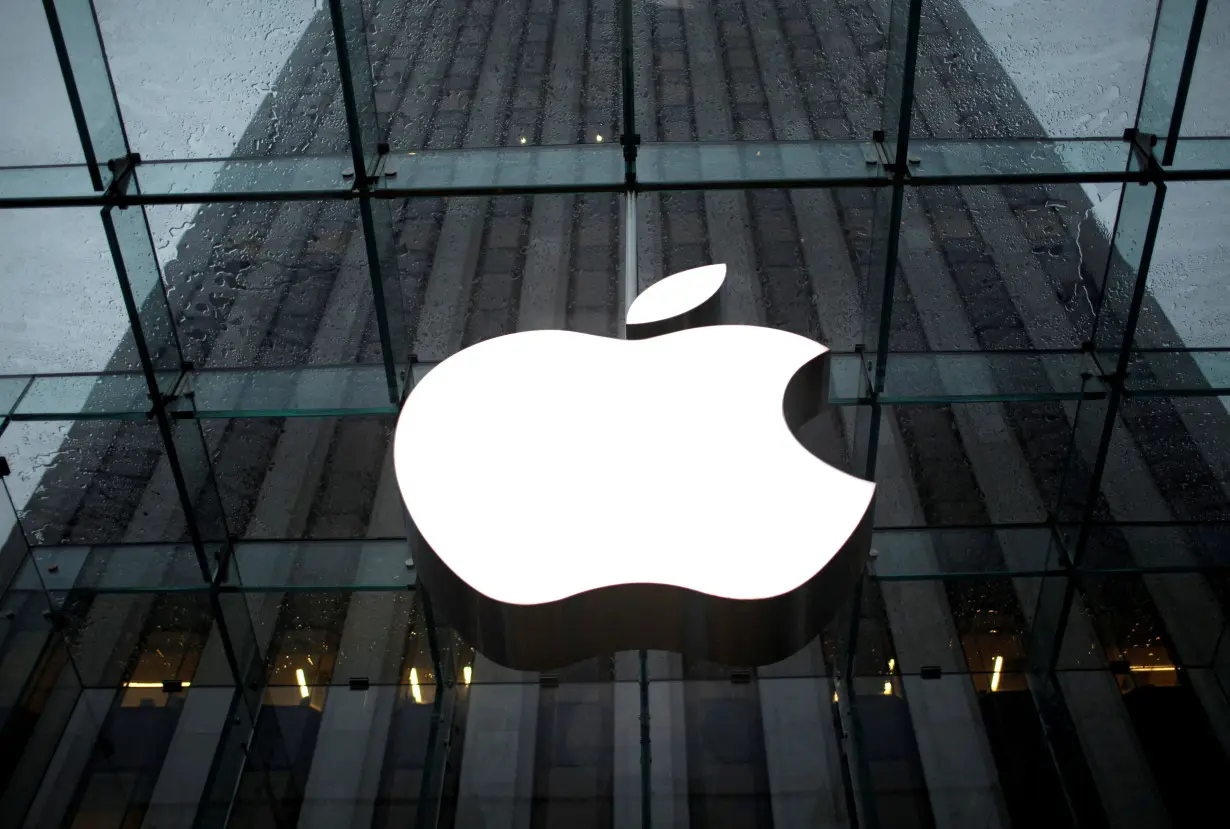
572	495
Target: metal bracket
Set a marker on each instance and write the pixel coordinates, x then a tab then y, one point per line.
383	169
121	174
1142	146
630	141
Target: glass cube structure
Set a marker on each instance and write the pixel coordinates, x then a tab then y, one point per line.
234	234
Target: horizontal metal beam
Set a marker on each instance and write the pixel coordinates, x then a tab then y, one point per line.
326	391
599	169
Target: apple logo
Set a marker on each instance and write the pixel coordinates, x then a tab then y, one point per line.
572	495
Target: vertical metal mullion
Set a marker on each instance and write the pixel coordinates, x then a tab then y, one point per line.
376	272
1185	79
897	118
630	274
628	271
630	141
867	809
157	403
910	62
77	39
349	95
1172	57
1123	356
386	294
627	76
74	95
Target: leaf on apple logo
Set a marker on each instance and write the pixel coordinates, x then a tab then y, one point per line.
688	299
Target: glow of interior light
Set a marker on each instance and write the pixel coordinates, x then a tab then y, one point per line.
303	689
888	689
892	663
150	684
834	696
999	666
415	691
1145	668
599	138
523	139
466	673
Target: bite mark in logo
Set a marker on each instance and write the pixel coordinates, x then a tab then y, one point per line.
572	495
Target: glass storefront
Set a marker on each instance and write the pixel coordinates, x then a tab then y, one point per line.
235	234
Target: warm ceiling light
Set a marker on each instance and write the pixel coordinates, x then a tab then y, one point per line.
888	689
1144	668
999	666
523	139
892	663
466	672
151	684
599	138
834	696
415	691
302	680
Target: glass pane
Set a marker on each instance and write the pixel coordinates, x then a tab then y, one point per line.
250	176
996	267
90	72
30	185
1188	301
1162	373
172	636
923	378
476	267
906	554
133	253
280	565
11	389
1128	623
1209	75
268	284
1207	156
113	396
716	70
92	482
1181	445
973	464
796	259
760	162
38	683
989	157
491	74
62	308
531	168
1171	38
351	16
1134	241
205	81
1067	71
309	478
30	82
111	568
307	392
